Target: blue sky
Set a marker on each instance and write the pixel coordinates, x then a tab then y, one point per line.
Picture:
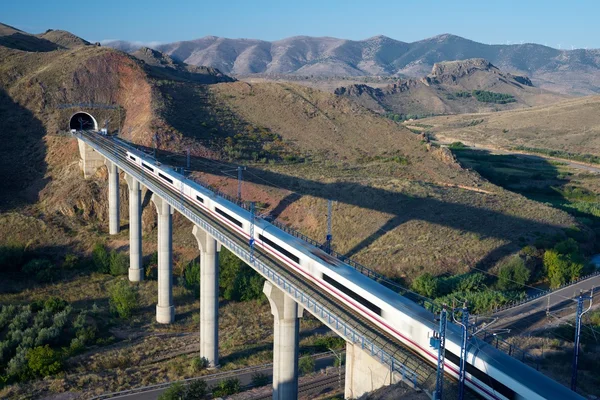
574	23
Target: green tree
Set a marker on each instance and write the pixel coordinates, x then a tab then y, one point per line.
306	365
427	285
41	269
513	274
119	263
569	246
237	280
191	277
101	258
123	299
175	392
562	268
43	361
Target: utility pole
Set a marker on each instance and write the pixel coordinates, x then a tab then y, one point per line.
239	192
579	314
251	242
440	343
329	236
463	348
340	358
154	144
187	163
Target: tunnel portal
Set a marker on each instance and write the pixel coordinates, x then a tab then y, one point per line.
83	121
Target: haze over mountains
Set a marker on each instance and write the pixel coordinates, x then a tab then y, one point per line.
568	71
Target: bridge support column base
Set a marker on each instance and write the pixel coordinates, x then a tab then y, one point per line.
364	373
165	312
165	315
286	313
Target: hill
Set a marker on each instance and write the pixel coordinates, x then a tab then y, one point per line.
162	66
565	71
570	126
64	39
452	87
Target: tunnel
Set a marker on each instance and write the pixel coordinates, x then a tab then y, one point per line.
83	121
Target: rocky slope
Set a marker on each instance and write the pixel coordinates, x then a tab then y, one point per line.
566	71
448	90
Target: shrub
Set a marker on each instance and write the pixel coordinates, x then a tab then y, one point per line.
471	282
330	342
227	387
457	146
43	361
426	285
40	269
119	263
568	246
191	277
237	280
175	392
259	379
71	261
306	365
513	274
11	257
199	363
55	304
196	390
101	258
123	299
562	268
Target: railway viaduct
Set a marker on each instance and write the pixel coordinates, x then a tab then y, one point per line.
367	366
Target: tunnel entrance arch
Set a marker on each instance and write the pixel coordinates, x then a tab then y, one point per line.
83	121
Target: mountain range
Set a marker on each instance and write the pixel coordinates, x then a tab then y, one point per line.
568	71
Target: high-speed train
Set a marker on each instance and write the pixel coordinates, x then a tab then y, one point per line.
489	372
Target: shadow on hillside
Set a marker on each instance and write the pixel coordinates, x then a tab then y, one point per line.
22	155
483	222
21	41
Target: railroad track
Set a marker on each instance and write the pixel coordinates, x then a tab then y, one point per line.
424	370
313	387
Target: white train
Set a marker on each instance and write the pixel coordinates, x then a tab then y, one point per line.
489	372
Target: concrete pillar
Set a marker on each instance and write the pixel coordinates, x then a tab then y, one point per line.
165	311
90	159
364	373
286	312
209	295
136	269
113	198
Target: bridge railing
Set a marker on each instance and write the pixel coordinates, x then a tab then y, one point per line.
317	308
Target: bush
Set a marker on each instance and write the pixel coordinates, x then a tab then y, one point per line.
259	379
11	257
306	365
199	363
55	304
101	258
426	285
237	280
227	387
191	277
71	261
119	263
43	361
330	342
196	390
562	268
40	269
123	299
175	392
513	275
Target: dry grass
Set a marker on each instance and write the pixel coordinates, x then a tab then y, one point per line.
572	125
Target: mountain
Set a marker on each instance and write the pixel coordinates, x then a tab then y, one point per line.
567	71
162	66
448	89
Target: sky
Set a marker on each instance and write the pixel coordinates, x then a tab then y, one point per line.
554	23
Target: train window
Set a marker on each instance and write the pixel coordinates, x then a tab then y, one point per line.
229	217
353	295
148	167
482	377
200	199
132	157
280	249
166	178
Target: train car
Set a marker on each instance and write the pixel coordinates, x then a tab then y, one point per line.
489	372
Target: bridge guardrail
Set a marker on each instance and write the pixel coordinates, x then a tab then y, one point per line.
340	326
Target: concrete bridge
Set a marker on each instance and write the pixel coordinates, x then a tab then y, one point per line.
374	358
